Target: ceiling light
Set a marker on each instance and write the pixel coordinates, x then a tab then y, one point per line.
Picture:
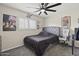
42	10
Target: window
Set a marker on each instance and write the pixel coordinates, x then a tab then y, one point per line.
32	24
27	23
23	23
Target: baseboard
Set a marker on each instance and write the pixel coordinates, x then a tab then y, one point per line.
11	48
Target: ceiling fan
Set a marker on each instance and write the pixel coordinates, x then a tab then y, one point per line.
44	7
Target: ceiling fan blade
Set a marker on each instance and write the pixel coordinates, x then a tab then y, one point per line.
53	5
40	13
50	10
46	4
45	12
42	3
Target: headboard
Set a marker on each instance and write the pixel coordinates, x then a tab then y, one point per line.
54	30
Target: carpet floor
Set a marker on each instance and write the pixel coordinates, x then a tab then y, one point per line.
52	50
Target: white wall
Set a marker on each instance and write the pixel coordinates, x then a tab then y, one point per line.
13	39
66	9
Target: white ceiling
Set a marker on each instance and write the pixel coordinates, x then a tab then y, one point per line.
26	7
31	7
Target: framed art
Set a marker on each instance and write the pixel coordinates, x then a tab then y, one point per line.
9	23
66	21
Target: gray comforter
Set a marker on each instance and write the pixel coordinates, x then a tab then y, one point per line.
40	38
40	42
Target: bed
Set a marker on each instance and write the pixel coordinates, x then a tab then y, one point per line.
40	42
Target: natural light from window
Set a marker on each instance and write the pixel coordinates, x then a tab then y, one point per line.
27	23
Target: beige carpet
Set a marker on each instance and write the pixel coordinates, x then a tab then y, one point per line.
52	50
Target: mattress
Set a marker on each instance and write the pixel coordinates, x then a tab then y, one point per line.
40	38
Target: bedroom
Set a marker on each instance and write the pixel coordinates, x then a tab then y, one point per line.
13	40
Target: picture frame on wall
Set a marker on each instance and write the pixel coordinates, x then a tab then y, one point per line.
9	22
66	21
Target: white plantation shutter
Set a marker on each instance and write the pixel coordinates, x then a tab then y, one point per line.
23	23
32	24
27	24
